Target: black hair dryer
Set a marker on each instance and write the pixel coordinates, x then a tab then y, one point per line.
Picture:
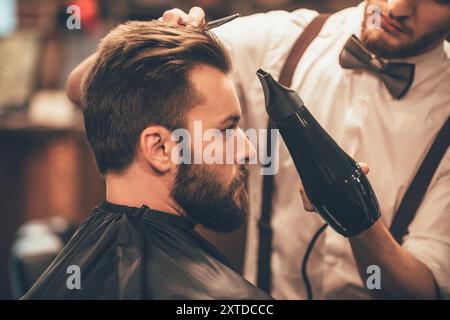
333	181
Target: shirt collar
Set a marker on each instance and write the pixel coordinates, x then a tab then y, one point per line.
356	20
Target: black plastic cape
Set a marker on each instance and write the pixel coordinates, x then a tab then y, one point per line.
139	253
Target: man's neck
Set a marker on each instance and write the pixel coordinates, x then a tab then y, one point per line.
135	189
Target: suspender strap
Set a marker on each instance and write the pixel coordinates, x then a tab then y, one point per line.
416	191
306	38
265	230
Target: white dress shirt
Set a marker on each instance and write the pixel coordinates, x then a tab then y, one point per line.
355	108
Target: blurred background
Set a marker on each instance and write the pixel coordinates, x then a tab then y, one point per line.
48	179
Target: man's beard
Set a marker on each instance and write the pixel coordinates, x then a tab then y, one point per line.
206	200
372	41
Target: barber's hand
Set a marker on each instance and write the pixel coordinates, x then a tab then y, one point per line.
195	17
308	205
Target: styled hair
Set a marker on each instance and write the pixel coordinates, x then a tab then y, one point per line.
141	78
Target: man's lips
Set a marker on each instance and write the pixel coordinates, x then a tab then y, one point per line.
391	25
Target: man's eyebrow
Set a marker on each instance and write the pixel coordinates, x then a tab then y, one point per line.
233	118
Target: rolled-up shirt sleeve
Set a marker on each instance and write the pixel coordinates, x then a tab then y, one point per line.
429	233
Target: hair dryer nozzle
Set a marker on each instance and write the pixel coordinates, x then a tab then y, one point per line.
281	101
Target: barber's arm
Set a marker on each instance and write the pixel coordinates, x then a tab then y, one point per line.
73	84
402	275
248	40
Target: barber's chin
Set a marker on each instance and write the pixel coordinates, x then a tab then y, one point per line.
379	36
382	43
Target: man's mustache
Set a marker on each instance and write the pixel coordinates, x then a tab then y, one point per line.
384	11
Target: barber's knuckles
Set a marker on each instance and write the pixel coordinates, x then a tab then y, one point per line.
195	17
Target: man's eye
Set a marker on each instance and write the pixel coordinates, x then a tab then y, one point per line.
229	131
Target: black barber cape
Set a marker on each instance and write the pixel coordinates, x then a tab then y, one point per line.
139	253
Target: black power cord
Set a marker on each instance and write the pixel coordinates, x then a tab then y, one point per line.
309	290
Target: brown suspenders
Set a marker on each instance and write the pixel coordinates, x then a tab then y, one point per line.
304	40
410	202
419	185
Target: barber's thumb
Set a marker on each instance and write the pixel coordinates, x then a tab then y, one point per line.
307	205
364	167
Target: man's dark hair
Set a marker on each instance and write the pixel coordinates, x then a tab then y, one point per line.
141	77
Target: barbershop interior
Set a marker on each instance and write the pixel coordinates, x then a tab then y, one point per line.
49	182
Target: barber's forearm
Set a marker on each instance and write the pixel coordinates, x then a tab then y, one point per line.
402	275
73	85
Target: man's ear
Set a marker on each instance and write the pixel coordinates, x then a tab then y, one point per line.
156	147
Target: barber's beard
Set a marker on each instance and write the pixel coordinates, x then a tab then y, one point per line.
383	49
374	42
200	192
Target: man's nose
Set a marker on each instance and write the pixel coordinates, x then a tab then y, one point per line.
246	151
401	9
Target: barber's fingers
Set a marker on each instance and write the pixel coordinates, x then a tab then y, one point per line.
174	16
196	17
364	167
307	205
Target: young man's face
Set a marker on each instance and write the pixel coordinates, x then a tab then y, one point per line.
213	192
408	27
